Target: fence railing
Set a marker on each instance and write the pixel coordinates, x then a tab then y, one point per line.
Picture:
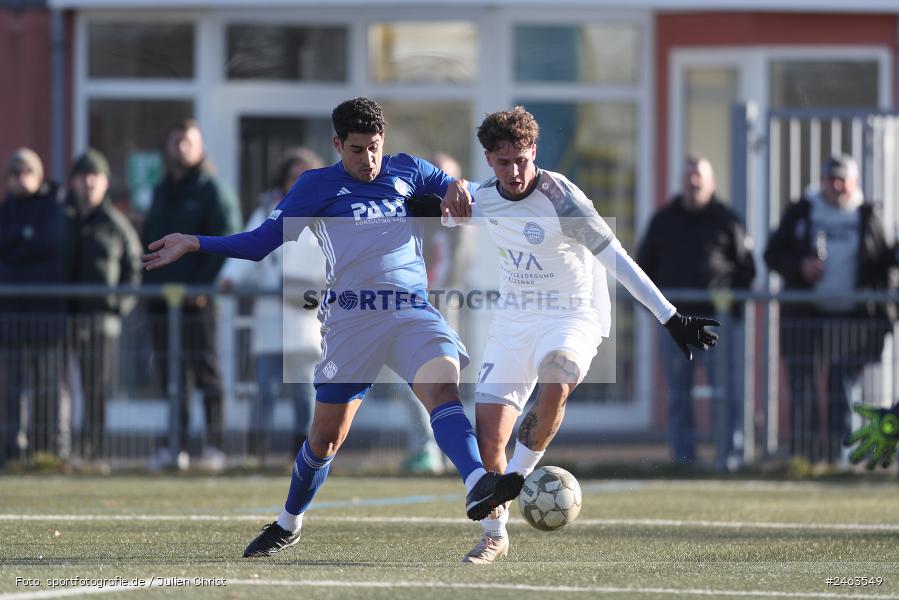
87	386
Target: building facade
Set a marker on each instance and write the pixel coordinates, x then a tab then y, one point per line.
623	92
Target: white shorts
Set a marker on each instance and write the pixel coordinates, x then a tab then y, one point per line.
518	343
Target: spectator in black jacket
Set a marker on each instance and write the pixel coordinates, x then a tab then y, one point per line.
102	248
697	242
191	198
30	328
832	242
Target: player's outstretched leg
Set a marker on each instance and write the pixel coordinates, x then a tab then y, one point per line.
495	422
558	375
309	473
330	426
436	385
495	542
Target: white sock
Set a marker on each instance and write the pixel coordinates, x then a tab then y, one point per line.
496	527
473	478
290	522
524	460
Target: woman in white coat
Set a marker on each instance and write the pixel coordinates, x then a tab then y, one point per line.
286	338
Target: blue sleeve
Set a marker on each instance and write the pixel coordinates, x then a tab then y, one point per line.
285	223
251	245
429	179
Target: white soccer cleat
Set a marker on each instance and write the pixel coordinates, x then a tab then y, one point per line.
487	551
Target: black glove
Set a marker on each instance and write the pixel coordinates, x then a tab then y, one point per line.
425	205
691	330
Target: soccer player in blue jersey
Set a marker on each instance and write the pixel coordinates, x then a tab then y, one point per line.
375	272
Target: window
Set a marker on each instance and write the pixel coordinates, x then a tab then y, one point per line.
264	141
287	53
131	133
142	51
608	54
423	128
423	52
820	84
709	94
594	145
811	83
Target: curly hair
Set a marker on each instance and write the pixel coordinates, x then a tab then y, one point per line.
516	126
359	115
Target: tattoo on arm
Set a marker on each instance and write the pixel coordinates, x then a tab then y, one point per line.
527	429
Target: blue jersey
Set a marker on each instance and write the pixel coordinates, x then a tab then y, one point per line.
371	245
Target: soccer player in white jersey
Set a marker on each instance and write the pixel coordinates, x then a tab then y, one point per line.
554	306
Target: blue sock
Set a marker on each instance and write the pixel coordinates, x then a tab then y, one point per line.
309	473
454	435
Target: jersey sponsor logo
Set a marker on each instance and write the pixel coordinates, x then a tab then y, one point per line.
517	259
342	191
275	214
533	233
329	370
401	187
373	210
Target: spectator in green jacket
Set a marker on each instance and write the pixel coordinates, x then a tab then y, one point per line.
191	198
102	248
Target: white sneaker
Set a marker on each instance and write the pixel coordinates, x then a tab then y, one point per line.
213	460
487	551
164	459
183	461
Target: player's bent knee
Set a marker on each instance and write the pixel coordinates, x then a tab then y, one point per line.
559	367
323	446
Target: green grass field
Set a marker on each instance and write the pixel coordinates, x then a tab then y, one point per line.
403	538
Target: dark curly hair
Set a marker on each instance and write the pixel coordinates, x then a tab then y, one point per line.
359	115
516	126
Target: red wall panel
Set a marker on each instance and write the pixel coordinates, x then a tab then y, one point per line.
25	75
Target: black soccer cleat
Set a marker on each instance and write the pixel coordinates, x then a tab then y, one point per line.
490	491
272	540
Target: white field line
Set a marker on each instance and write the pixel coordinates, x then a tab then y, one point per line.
62	593
888	527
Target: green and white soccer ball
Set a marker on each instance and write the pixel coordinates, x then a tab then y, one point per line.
550	498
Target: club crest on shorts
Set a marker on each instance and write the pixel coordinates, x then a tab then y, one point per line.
533	233
329	370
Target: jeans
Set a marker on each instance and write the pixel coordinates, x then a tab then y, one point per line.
270	381
199	365
838	349
723	365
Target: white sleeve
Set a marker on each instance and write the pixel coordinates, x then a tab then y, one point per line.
616	260
476	215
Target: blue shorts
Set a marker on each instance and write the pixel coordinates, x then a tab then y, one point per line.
354	351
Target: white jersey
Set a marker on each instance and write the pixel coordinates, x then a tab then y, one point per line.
554	250
546	242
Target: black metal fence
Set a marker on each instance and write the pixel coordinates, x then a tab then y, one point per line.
178	378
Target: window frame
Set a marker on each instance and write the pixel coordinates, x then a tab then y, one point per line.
219	103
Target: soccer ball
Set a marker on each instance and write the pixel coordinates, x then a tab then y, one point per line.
550	498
